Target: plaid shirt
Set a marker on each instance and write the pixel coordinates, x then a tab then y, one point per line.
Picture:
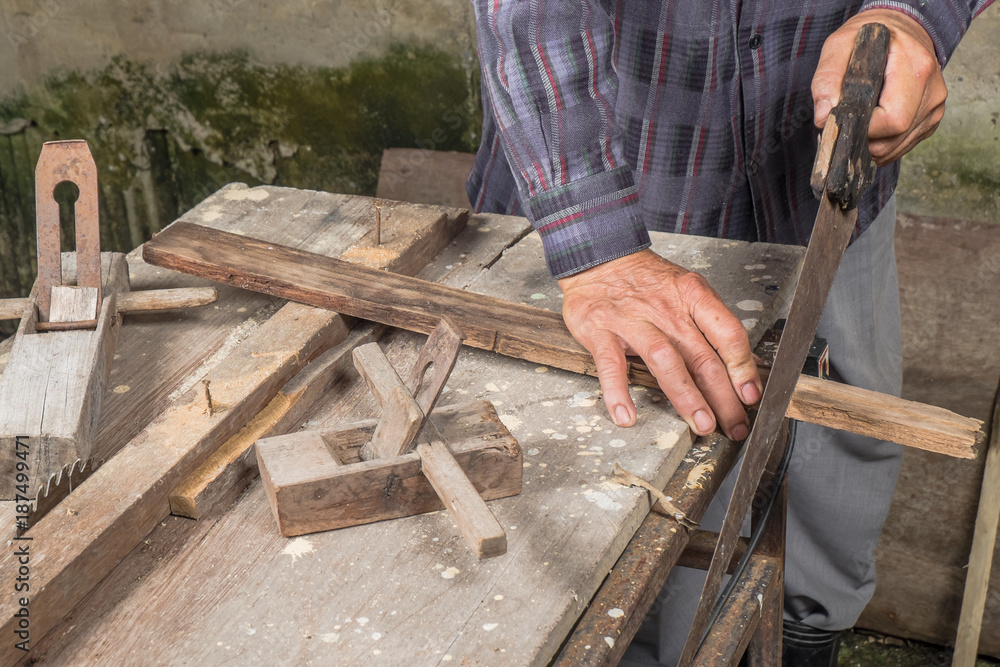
607	118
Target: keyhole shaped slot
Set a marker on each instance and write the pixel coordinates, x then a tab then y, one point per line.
66	195
425	373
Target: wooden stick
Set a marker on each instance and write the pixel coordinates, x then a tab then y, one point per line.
133	302
977	581
511	329
478	525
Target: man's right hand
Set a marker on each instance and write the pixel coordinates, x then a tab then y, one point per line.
697	350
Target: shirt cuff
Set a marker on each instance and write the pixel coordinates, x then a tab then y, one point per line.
588	222
944	25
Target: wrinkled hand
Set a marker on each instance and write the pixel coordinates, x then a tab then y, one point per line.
694	346
912	101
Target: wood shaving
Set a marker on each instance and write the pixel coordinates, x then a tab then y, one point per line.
625	478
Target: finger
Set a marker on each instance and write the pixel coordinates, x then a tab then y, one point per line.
726	334
829	76
668	367
709	374
886	151
612	371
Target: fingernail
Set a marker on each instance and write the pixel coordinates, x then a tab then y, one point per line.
621	416
740	432
703	422
750	392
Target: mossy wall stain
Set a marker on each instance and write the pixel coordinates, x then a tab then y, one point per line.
165	137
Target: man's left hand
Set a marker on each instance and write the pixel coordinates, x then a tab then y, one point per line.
913	95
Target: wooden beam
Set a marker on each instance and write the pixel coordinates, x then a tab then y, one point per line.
479	527
977	581
511	329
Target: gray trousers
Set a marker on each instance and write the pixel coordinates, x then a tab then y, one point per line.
839	484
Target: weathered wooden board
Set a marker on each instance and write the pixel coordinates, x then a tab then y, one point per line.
390	587
51	391
86	544
316	481
424	176
516	329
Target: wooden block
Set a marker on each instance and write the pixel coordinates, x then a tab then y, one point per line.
511	329
400	424
324	496
376	371
479	527
73	304
51	389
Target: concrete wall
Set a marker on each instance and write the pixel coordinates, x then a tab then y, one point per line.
46	36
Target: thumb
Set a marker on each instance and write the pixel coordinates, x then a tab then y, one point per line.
830	71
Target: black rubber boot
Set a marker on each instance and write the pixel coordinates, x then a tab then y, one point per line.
803	646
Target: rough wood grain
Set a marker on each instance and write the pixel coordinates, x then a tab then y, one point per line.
309	493
51	389
511	329
214	484
72	304
400	423
85	545
461	498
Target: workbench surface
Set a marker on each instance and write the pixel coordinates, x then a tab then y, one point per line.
228	588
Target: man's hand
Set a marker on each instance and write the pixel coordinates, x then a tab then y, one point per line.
912	101
694	346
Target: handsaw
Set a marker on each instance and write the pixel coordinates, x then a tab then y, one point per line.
50	494
842	171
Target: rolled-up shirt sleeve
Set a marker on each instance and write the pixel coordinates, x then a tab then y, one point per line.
944	20
548	69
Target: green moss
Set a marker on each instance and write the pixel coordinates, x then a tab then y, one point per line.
166	137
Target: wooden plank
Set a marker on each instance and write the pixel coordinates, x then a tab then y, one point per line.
51	389
741	614
454	487
99	537
977	581
511	329
885	417
309	494
213	485
126	497
438	357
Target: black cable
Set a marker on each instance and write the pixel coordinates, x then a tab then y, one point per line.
756	535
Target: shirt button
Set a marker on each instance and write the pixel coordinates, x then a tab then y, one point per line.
753	167
755	41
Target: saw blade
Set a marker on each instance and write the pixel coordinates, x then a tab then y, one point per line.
55	489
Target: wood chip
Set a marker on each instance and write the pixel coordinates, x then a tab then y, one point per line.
625	478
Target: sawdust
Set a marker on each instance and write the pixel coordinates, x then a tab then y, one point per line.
370	256
697	474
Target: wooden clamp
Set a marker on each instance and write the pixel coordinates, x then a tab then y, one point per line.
366	472
50	391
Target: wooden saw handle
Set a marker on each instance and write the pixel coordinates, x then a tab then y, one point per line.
844	167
